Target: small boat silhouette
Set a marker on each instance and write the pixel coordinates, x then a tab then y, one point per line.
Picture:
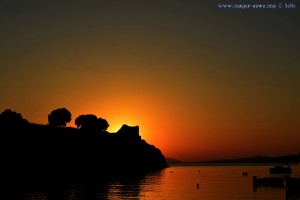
268	181
279	169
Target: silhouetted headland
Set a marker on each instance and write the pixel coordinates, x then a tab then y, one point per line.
58	152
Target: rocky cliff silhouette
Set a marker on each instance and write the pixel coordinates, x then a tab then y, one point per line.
44	151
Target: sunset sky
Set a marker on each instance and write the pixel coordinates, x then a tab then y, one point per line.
202	83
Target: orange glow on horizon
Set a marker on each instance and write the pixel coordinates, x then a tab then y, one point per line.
179	134
195	92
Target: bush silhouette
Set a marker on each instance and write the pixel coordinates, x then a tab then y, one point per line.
11	119
59	117
88	121
102	124
91	122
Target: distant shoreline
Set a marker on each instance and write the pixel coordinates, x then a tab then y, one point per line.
190	164
255	160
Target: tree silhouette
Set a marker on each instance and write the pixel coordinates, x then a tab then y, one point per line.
79	121
59	117
91	122
88	121
11	119
102	124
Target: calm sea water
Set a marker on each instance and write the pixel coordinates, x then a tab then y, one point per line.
173	183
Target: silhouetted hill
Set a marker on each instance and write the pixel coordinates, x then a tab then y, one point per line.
42	151
260	159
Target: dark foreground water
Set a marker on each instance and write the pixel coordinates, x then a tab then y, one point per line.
173	183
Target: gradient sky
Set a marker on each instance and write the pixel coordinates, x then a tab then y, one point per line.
201	82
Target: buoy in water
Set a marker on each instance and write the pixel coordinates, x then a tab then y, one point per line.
245	173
